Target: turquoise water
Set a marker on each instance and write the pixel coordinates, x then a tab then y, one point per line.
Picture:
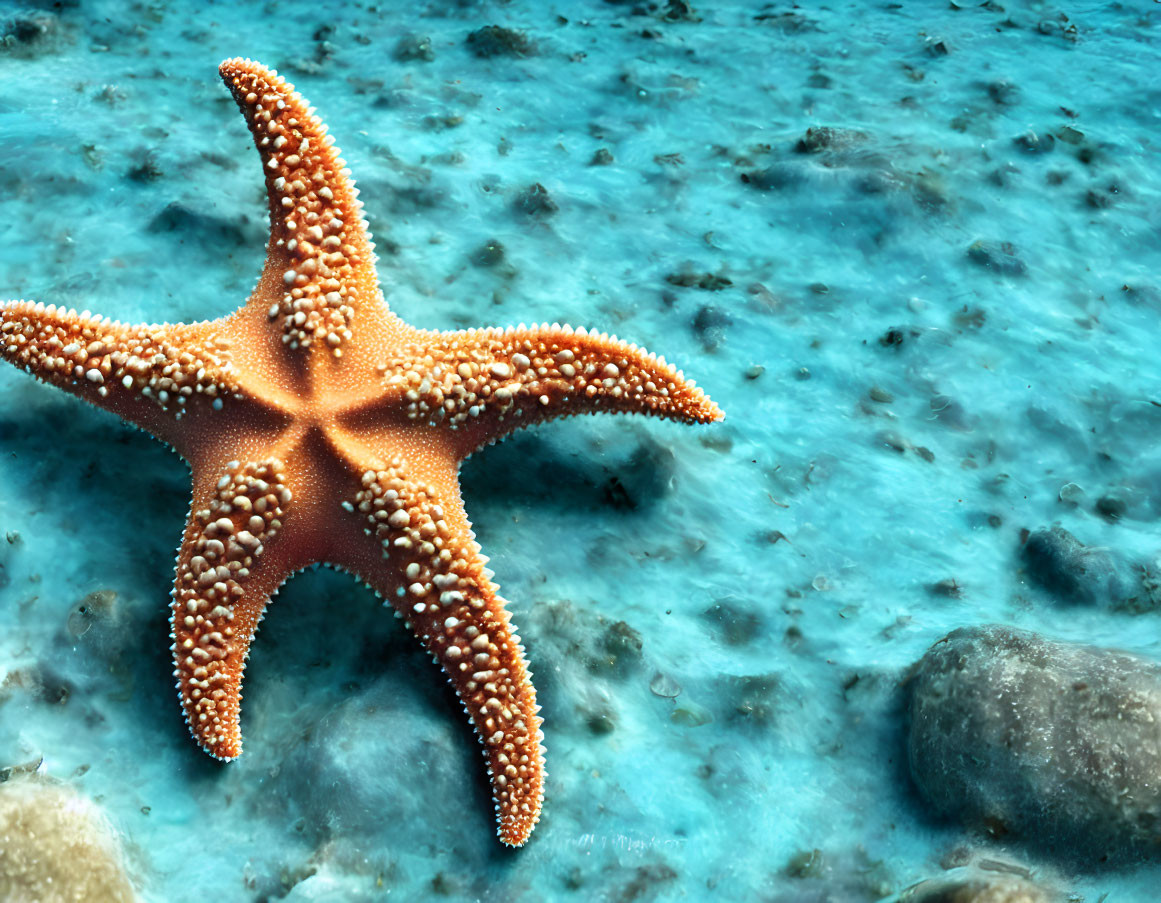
897	413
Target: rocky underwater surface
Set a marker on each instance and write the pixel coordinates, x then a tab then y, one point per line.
891	632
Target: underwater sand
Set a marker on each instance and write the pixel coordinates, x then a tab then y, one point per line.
898	412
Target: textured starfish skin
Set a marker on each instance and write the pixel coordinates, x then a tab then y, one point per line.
319	427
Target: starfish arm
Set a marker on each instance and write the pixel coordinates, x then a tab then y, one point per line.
422	558
487	383
149	375
320	261
229	564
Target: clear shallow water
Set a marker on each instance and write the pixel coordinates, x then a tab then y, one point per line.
134	190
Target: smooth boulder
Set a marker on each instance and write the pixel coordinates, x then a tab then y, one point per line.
1057	743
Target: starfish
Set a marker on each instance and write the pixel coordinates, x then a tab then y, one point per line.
321	428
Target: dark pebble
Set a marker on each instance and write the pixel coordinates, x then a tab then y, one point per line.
709	282
709	324
1034	143
31	34
998	256
825	138
489	254
754	697
414	47
494	40
950	413
937	46
1003	93
893	337
147	169
737	623
1071	571
1102	198
948	586
787	22
1060	28
1111	507
619	651
679	11
207	231
773	178
535	201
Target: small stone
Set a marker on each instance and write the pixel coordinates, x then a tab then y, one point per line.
752	697
1003	93
494	40
948	586
1101	199
773	178
1072	571
664	686
95	607
535	201
414	47
602	157
709	324
619	650
489	254
1035	143
893	337
882	396
824	138
690	714
805	864
1111	507
937	46
679	11
892	440
600	723
737	623
950	413
787	22
27	35
999	257
1060	28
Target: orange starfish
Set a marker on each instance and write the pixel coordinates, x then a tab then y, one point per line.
319	427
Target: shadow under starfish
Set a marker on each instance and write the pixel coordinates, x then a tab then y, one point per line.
319	427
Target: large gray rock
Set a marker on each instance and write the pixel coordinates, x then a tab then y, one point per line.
1054	742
